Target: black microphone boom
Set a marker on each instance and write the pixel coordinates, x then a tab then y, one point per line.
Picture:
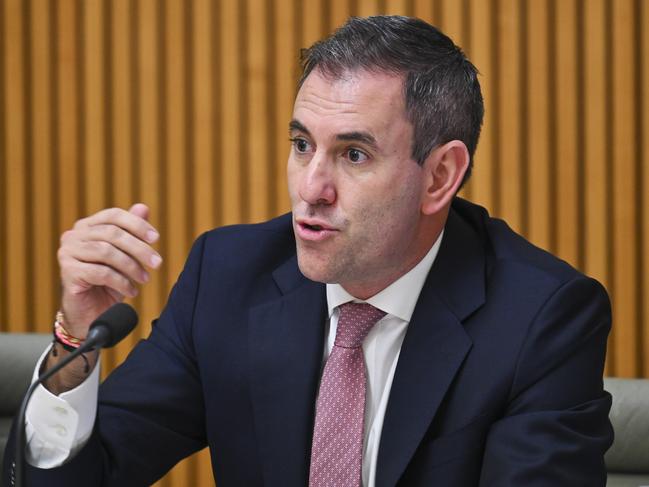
110	328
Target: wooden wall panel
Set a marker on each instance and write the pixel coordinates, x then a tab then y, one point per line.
257	154
424	10
3	169
624	183
121	102
15	199
597	214
67	104
42	192
185	105
643	161
453	21
509	197
286	65
538	134
483	183
204	133
95	124
232	114
566	131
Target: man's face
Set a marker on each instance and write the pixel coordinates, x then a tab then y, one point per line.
355	191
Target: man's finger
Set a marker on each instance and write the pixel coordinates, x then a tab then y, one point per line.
104	253
88	275
130	222
124	241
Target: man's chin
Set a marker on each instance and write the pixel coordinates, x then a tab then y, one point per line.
316	270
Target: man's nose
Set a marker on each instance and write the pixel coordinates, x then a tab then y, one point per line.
317	186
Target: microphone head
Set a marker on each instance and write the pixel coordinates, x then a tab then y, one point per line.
112	326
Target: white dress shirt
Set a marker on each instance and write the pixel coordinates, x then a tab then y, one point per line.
58	426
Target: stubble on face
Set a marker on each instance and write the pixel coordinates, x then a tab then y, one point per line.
377	205
367	246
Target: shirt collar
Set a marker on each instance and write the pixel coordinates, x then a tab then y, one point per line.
400	297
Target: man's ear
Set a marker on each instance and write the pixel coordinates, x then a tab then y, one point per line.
444	170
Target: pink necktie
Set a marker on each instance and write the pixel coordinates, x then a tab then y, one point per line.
337	450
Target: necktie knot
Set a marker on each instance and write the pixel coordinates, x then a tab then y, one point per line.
355	322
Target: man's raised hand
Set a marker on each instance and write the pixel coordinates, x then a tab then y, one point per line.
102	259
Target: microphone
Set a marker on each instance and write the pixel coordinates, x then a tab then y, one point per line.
106	331
111	327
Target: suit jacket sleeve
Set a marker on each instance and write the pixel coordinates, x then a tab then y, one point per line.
150	413
556	429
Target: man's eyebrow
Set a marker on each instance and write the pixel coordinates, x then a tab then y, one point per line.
356	136
364	137
296	125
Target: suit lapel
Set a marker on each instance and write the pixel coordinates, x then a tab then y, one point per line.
434	347
286	345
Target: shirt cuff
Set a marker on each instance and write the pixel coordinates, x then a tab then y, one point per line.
58	426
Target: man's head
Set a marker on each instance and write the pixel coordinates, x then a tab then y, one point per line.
442	93
369	194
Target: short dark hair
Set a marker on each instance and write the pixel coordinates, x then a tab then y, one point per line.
442	93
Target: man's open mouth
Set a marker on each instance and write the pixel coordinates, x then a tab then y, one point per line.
315	228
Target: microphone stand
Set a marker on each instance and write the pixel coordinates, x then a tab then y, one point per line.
107	330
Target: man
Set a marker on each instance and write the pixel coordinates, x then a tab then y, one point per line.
482	356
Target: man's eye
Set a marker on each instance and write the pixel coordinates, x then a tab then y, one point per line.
300	145
356	155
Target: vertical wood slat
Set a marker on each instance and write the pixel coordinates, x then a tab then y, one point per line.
509	127
230	97
452	21
94	60
596	223
340	11
42	191
4	168
286	69
624	183
15	196
257	71
184	106
365	8
395	7
121	102
538	116
204	132
67	116
483	181
310	23
643	137
565	120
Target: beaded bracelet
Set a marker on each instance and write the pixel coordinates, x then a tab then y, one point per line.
69	342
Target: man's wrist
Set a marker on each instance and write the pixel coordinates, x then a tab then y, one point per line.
72	374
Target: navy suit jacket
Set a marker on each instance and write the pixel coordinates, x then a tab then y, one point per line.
499	380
